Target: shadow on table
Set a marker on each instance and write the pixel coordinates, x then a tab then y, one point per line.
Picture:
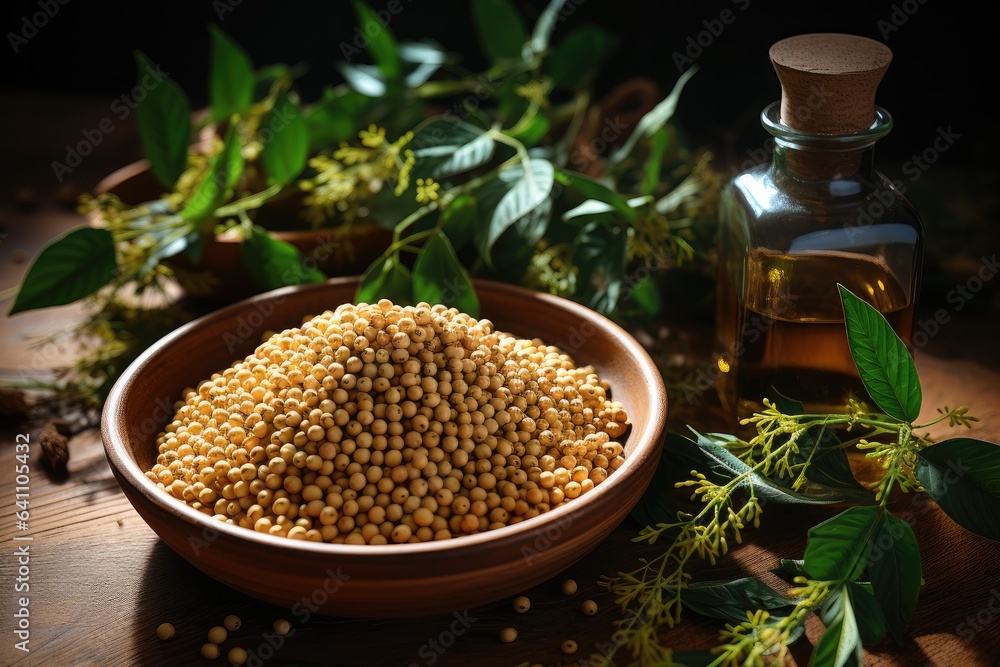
174	591
947	627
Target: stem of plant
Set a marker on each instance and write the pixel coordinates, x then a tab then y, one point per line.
522	152
449	196
250	202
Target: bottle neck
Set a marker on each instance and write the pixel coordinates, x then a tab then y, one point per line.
805	156
818	165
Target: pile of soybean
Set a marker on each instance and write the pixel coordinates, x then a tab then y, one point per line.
378	424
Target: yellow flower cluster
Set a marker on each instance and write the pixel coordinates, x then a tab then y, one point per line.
347	181
536	92
427	190
661	236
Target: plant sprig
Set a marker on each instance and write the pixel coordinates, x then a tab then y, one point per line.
861	571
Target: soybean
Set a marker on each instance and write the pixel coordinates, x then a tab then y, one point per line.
383	424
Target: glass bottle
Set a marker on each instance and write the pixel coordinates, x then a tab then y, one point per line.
817	215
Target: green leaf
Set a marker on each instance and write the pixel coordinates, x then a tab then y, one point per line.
420	74
596	190
441	136
829	470
381	43
386	278
726	466
458	221
545	25
884	363
387	209
422	60
226	168
787	405
577	57
651	170
231	79
730	600
398	285
195	246
510	105
838	548
646	295
600	255
593	210
790	566
365	79
962	475
657	117
588	211
73	266
532	131
500	29
265	77
688	191
895	571
423	53
163	117
840	645
523	190
868	614
167	242
438	277
530	229
285	139
274	263
335	118
452	146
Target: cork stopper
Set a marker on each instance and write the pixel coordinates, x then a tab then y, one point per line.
828	81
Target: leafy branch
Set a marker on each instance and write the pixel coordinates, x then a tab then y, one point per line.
861	571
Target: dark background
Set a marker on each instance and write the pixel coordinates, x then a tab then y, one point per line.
944	53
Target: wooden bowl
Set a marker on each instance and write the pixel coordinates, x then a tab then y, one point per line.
381	580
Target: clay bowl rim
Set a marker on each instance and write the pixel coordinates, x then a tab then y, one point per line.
121	175
643	444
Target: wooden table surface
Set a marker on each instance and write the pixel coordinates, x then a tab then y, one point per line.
101	581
